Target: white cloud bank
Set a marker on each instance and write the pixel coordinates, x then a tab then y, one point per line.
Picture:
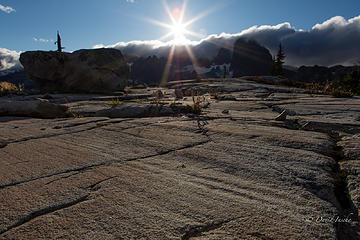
41	40
6	9
335	41
9	61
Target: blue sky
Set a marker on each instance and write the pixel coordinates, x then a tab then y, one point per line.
85	23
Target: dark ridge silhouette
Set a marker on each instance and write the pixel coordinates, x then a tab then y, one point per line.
250	59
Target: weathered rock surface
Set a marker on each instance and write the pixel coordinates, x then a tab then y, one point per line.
88	71
36	108
351	167
135	111
240	175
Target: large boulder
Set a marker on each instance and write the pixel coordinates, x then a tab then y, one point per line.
96	70
250	59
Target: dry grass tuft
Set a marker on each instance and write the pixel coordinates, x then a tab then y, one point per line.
6	87
114	102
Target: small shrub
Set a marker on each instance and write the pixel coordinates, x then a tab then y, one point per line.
157	95
77	115
313	88
199	102
6	87
286	82
173	104
196	104
214	93
114	102
336	92
21	87
347	86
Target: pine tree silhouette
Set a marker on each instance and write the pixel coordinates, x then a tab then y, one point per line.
58	42
278	62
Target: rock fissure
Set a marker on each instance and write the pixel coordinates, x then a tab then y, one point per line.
107	163
100	123
198	230
346	207
44	211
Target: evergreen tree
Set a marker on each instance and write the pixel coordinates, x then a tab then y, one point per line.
58	42
273	69
225	71
278	62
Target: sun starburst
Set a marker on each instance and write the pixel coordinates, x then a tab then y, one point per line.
178	29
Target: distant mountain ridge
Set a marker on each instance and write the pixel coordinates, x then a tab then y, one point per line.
320	74
250	58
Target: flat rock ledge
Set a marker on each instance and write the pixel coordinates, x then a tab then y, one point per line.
39	108
113	169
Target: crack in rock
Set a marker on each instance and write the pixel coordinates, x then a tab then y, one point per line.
64	177
49	135
341	191
99	124
106	163
3	144
95	186
198	230
44	211
346	206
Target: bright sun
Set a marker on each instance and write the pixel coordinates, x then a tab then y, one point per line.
178	30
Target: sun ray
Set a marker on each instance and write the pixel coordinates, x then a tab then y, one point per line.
198	17
182	13
165	76
204	14
156	22
198	35
192	56
166	6
165	36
